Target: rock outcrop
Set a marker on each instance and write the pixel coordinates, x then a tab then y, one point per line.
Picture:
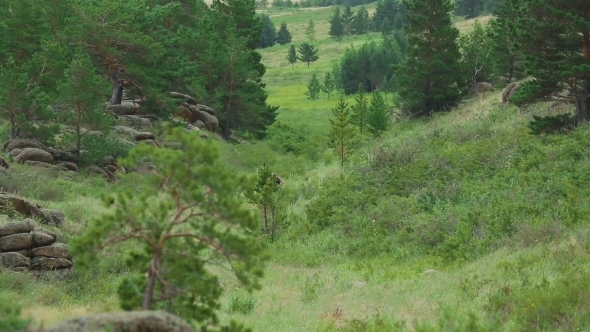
481	87
136	321
509	91
192	112
13	203
25	247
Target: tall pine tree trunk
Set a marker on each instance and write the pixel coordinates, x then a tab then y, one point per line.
117	95
151	284
583	103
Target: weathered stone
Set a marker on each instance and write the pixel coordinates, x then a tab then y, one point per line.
206	108
122	130
124	109
98	170
20	269
15	259
53	217
144	136
46	231
20	205
187	98
506	91
481	87
23	143
42	239
14	152
199	124
173	145
15	227
132	121
41	165
111	168
513	91
56	250
34	154
130	321
111	175
62	155
68	166
3	163
16	242
210	121
150	142
108	160
49	263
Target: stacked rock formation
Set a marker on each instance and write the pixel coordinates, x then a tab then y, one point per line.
31	152
25	247
196	114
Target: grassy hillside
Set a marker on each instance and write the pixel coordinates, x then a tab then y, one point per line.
464	222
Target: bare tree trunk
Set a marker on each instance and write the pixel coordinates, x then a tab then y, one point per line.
117	95
264	211
583	103
151	284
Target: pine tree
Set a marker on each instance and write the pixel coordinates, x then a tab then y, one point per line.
360	108
307	53
268	34
310	31
284	36
328	85
81	90
336	27
314	87
556	44
362	22
469	8
292	56
378	115
506	53
266	190
430	76
342	131
347	19
194	207
386	9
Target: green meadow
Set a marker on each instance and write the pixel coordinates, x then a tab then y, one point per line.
462	222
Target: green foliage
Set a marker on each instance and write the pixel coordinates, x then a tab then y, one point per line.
80	91
430	79
310	31
284	36
362	23
347	19
292	56
559	64
378	120
328	85
336	27
177	224
469	8
10	315
476	59
504	30
562	123
241	305
268	34
385	14
314	87
369	65
360	109
307	53
342	131
266	190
